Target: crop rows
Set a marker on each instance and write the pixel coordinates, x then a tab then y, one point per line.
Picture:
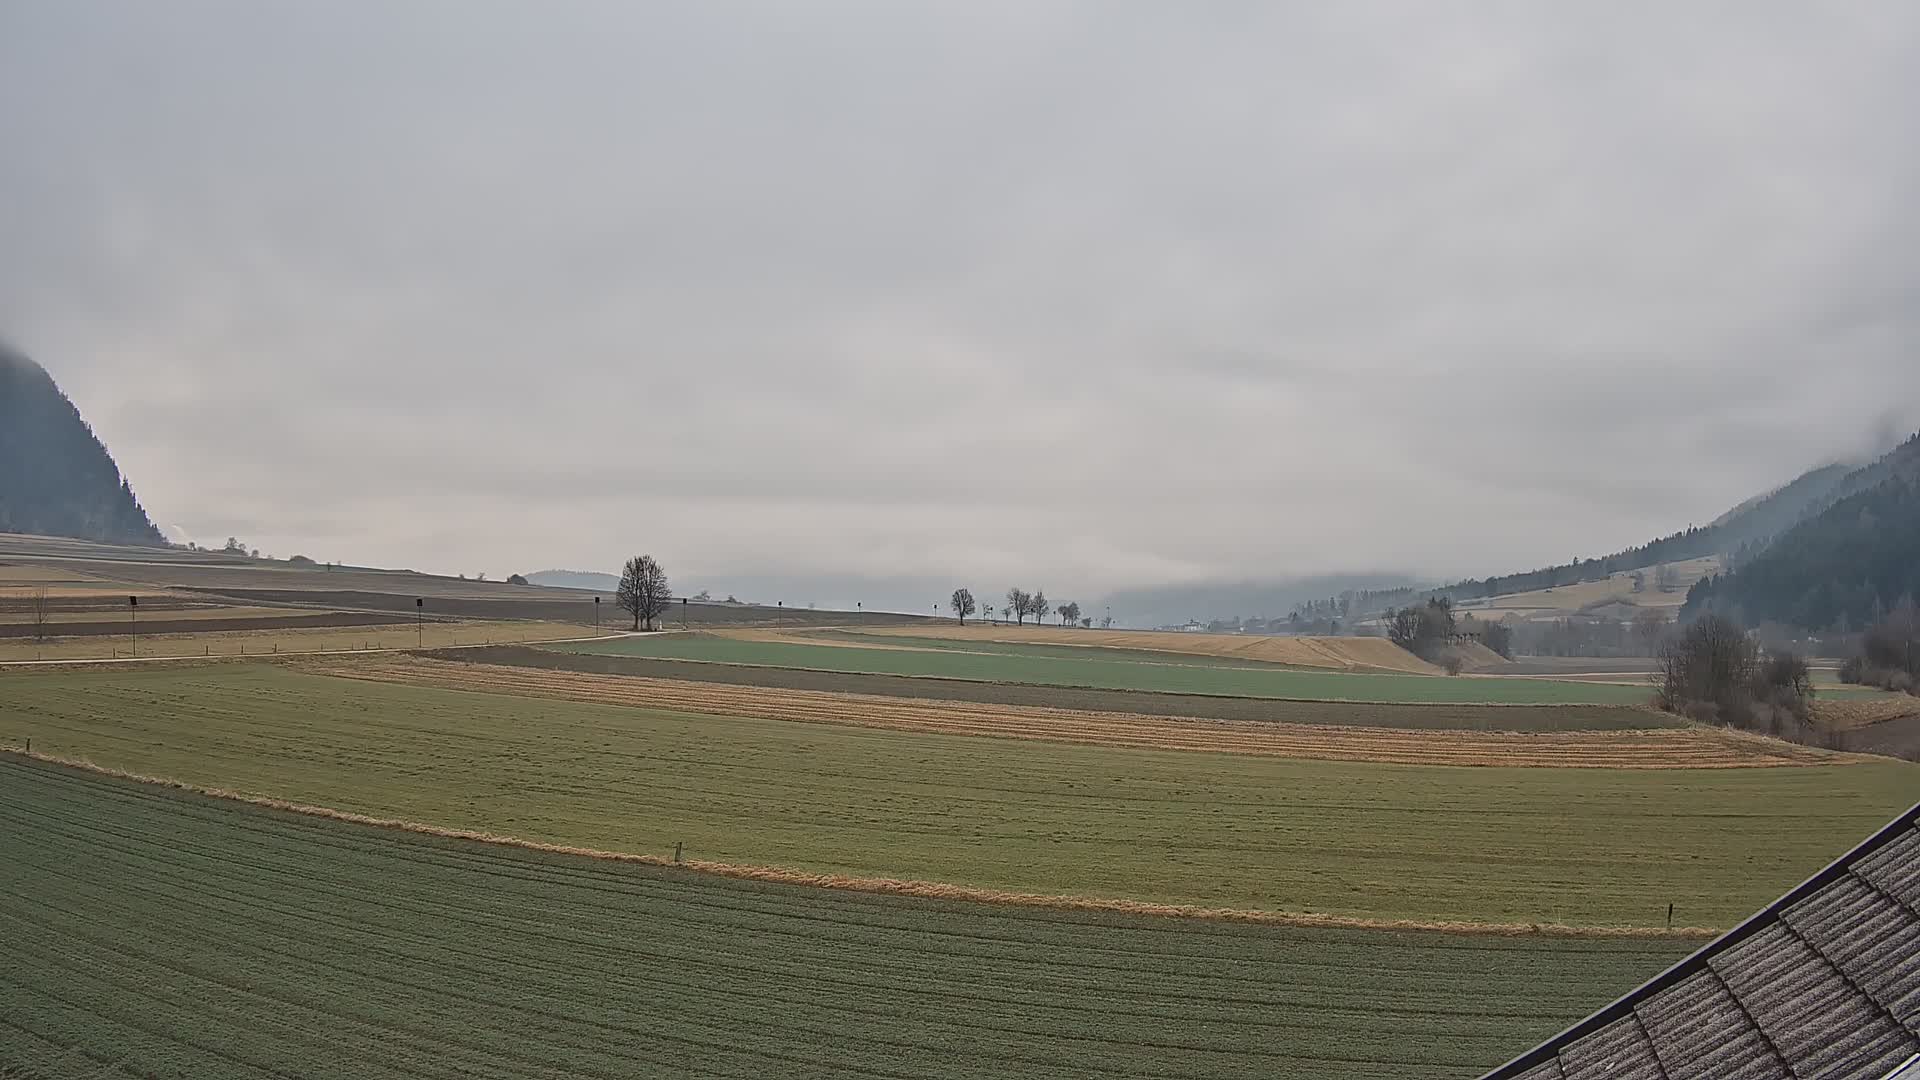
173	935
1196	677
1370	841
1336	653
1431	717
1660	748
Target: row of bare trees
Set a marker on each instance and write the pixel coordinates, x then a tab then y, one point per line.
1021	604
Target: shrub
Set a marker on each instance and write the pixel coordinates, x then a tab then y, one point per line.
1712	672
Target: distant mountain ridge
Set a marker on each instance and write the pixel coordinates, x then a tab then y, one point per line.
590	580
1739	533
1839	567
1167	605
56	477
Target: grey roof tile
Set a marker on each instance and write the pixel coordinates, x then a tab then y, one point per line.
1874	939
1896	868
1701	1030
1810	1012
1824	984
1618	1051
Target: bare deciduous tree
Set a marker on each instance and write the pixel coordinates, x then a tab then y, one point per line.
1069	613
1649	626
1707	668
643	591
37	612
1037	607
962	604
1019	602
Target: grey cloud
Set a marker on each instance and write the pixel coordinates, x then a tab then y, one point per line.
1074	292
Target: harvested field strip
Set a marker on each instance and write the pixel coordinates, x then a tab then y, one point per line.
1341	653
208	638
917	643
1270	681
1444	717
1653	749
211	621
1855	713
1581	847
210	939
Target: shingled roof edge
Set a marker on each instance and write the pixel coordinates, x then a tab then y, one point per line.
1760	920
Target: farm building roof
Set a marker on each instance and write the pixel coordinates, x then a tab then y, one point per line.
1824	983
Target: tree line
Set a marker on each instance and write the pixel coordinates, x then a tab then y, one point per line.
1021	605
1843	569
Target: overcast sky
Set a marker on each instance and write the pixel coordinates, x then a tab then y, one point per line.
1086	294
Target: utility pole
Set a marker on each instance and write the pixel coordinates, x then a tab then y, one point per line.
133	613
420	621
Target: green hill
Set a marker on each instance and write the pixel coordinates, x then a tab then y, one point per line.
56	477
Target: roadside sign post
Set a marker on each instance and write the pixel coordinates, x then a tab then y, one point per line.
420	621
596	616
133	614
684	624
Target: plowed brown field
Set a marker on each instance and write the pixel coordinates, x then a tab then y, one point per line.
1649	749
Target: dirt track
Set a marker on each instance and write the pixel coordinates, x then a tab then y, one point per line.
1648	749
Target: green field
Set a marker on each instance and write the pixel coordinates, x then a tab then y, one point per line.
156	933
1216	706
1579	846
1177	674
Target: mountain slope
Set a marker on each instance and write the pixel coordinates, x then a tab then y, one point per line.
1741	532
1161	605
56	478
1841	567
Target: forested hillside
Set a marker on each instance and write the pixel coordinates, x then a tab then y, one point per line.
56	478
1839	569
1741	532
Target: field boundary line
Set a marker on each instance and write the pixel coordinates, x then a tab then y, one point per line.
929	890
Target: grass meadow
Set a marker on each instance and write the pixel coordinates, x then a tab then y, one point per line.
157	933
1490	844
